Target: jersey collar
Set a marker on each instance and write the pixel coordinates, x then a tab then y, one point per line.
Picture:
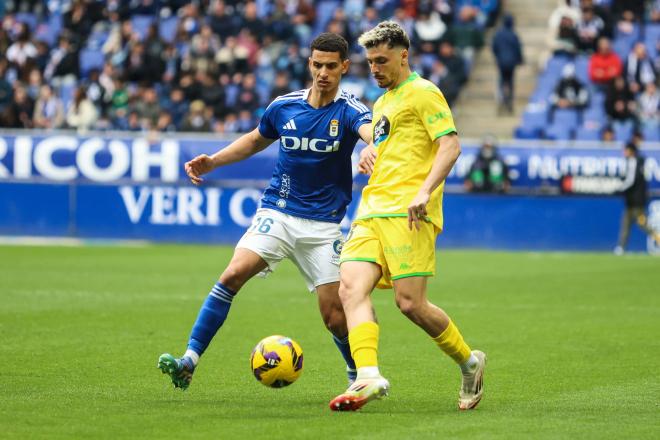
337	96
413	76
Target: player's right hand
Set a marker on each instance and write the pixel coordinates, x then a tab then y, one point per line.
201	164
367	159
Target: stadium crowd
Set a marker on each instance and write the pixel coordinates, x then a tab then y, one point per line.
206	65
601	80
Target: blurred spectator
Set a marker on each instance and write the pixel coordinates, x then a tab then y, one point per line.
639	69
147	107
569	92
465	35
82	114
508	54
18	114
589	29
34	83
78	21
620	102
176	106
601	11
154	48
6	91
196	119
566	41
604	65
620	7
635	193
223	22
63	66
607	134
454	64
564	12
281	85
428	27
21	52
648	106
488	172
48	110
165	123
137	68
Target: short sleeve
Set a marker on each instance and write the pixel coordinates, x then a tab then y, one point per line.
267	126
361	116
434	112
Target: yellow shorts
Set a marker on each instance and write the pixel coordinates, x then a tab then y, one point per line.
388	242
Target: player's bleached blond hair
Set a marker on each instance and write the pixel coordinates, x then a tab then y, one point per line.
389	32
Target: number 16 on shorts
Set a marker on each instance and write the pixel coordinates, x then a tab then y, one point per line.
261	224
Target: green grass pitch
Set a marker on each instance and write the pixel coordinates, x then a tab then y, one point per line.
572	341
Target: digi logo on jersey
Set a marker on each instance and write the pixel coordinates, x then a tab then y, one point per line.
307	144
381	130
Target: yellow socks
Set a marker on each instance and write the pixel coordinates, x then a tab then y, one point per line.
363	340
451	342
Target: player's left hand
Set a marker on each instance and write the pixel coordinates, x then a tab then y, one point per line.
417	210
367	159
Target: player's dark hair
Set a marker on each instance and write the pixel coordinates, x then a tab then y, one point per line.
386	32
632	147
329	42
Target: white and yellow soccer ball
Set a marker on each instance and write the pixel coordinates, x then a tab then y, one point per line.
277	361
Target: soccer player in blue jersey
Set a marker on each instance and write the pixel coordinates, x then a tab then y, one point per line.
303	205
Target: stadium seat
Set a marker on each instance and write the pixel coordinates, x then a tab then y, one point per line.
90	59
566	117
559	132
66	94
167	28
582	69
141	24
587	134
30	19
651	38
623	131
651	132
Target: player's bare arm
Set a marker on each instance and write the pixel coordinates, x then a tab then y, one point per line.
368	153
448	151
245	146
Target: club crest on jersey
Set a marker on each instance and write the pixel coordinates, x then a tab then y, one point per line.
334	128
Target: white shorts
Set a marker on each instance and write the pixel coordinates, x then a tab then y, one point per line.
313	246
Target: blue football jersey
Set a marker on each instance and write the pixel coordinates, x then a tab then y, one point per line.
313	178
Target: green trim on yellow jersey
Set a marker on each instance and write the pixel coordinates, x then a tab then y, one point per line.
413	274
427	218
447	131
413	76
368	260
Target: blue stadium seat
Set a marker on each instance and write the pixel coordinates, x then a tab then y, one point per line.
559	132
533	123
651	132
652	36
566	117
623	131
585	134
90	59
30	19
141	24
66	94
582	69
167	28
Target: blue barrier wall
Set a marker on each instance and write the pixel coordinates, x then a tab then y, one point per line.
129	188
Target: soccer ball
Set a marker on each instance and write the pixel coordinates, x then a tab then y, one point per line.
277	361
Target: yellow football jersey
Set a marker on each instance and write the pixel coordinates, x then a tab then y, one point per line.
409	119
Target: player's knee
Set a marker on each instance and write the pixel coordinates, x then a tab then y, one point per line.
335	322
408	305
234	277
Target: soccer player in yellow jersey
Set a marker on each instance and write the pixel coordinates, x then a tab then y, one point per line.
392	242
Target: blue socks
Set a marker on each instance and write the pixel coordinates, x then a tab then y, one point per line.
345	350
211	317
